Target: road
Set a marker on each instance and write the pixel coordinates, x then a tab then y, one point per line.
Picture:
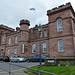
16	70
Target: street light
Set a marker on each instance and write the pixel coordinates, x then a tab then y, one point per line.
40	29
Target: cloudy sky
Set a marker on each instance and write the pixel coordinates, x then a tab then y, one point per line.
12	11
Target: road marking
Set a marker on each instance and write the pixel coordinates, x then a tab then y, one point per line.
3	72
13	70
17	69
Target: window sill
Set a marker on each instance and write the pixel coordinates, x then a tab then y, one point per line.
33	52
60	51
59	31
44	52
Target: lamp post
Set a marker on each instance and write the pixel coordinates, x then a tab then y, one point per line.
40	29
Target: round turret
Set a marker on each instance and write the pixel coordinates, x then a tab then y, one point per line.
26	22
24	25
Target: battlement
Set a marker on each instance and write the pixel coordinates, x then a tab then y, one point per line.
24	22
6	27
60	8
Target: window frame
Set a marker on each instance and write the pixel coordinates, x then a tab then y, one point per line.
3	38
33	48
8	51
41	34
16	39
45	33
21	34
60	46
15	51
59	24
23	49
9	41
44	47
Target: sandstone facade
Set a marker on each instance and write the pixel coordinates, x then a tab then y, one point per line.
25	41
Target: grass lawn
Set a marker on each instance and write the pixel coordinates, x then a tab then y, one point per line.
59	70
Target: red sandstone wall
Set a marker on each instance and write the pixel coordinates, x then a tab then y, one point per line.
68	46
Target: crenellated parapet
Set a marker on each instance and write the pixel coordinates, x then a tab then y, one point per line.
60	9
26	22
6	27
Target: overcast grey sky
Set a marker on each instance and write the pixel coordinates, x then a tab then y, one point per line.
12	11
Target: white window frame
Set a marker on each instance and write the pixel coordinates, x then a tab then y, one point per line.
8	51
9	40
45	33
15	51
44	47
33	48
59	24
16	39
23	48
60	46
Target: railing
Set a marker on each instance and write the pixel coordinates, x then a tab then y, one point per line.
10	72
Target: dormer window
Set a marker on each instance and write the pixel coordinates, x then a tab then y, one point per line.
59	25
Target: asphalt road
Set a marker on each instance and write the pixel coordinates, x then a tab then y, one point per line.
15	68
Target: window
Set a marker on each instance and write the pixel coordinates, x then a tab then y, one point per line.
3	38
15	51
41	34
44	47
9	40
8	51
21	34
59	25
45	33
22	48
60	46
33	48
16	39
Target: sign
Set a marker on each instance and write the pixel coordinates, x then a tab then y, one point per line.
73	51
51	61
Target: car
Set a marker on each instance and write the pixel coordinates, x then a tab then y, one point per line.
36	58
17	59
4	58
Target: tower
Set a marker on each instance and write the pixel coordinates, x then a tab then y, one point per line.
24	36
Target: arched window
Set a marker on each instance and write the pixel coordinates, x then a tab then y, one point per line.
59	25
33	48
16	39
44	47
60	46
9	40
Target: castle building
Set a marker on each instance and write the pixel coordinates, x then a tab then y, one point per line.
57	36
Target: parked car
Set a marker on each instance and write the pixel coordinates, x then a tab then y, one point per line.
4	58
36	58
17	59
